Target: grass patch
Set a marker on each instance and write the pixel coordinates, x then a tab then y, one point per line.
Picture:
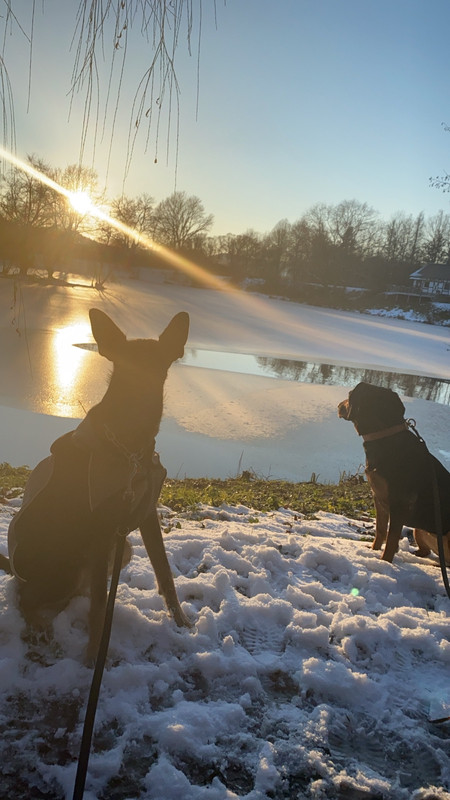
351	497
12	480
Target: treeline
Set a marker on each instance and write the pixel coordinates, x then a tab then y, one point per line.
41	228
347	244
339	245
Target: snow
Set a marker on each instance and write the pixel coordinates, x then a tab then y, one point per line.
313	670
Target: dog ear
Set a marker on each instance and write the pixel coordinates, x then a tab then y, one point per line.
398	405
174	337
354	398
106	333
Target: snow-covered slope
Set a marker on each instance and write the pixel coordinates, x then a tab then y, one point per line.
313	670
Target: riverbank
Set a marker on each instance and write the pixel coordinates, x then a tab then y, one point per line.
351	496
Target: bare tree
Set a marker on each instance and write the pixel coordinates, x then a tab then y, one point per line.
398	238
135	214
417	238
180	221
75	179
24	199
437	240
135	218
352	226
275	247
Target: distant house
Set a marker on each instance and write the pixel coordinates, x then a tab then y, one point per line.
432	279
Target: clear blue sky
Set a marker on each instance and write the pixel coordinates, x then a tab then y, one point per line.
300	102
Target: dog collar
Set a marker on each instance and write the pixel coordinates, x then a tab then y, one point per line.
371	437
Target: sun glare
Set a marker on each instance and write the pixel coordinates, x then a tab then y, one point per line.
81	202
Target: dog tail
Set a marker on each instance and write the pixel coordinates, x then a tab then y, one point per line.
5	564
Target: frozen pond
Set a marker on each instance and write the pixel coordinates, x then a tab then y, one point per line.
257	389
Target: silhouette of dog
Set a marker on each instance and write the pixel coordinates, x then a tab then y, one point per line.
102	476
400	470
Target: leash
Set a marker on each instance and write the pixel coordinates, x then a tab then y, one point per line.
100	661
411	423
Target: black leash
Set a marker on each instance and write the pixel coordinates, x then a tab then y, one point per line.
437	507
134	460
100	661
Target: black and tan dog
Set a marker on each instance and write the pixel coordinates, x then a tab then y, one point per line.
102	476
400	471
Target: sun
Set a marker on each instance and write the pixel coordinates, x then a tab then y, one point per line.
81	202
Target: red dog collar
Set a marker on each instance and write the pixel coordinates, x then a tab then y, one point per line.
371	437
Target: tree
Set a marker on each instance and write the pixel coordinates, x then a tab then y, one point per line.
402	240
43	219
25	203
275	247
244	253
352	226
180	222
74	178
134	214
24	199
437	242
299	252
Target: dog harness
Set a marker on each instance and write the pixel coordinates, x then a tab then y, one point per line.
111	471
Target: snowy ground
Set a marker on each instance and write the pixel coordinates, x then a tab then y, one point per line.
313	670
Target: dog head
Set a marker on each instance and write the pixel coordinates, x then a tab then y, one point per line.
140	355
133	404
372	408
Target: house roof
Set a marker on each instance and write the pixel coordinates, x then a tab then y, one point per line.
432	272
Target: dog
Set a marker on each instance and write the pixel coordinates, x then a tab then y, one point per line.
401	472
101	477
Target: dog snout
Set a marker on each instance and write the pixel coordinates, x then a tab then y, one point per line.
343	409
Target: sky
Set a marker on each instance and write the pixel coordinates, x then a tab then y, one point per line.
289	104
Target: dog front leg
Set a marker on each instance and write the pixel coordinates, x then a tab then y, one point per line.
382	521
154	544
393	537
380	491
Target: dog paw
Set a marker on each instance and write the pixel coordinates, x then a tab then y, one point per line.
180	617
421	553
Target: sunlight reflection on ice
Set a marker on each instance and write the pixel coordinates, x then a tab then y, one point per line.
67	364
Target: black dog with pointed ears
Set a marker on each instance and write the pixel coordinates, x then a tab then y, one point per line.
103	475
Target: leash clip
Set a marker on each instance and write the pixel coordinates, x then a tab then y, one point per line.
412	425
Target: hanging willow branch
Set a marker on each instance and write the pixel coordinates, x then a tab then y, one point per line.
104	32
103	24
